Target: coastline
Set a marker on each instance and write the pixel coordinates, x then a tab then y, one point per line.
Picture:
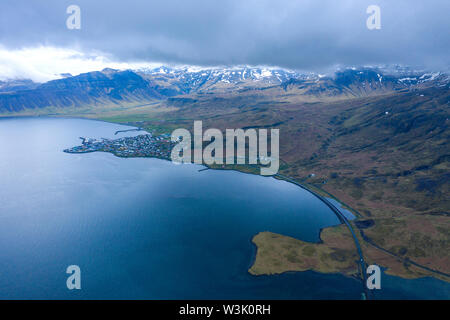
340	216
243	169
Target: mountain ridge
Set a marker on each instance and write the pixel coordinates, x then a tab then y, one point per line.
111	86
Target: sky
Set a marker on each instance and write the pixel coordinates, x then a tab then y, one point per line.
309	35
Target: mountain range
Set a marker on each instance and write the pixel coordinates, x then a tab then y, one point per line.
134	87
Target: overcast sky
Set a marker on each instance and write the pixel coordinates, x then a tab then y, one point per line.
311	35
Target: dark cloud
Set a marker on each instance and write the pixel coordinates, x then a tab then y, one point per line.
308	34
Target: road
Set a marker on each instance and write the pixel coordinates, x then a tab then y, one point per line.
369	241
344	220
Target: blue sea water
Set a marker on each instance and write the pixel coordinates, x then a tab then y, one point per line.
147	228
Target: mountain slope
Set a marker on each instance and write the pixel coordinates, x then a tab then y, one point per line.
93	88
113	87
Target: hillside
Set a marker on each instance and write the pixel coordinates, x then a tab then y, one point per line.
386	156
93	88
131	88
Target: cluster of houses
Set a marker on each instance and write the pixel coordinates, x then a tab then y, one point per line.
145	145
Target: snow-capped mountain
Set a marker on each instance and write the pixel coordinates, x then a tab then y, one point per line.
190	79
139	86
226	75
200	80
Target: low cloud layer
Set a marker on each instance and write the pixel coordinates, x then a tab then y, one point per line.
305	35
42	64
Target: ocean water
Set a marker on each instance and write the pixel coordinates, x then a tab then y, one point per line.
147	228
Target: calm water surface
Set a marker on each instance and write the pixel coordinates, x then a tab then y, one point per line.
149	229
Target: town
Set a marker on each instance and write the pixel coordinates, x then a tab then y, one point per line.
144	145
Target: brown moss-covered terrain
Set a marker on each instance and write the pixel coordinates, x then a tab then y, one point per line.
336	253
277	254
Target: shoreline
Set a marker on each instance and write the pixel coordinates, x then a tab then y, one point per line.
342	218
357	214
352	276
